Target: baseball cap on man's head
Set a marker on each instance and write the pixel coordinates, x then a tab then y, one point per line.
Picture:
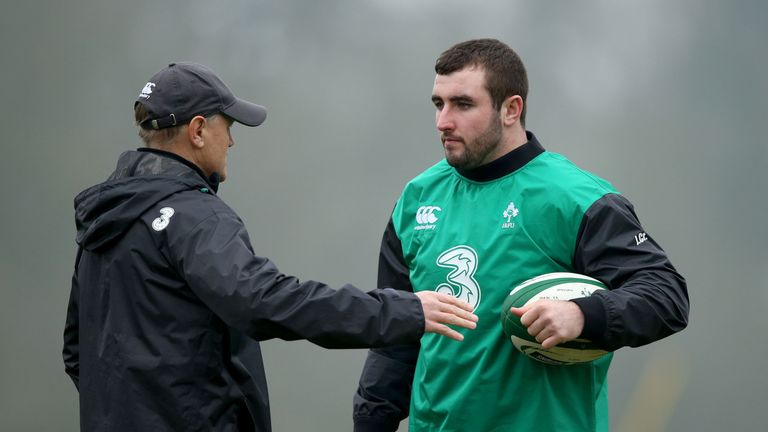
183	90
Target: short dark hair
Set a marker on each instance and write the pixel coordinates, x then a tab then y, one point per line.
505	74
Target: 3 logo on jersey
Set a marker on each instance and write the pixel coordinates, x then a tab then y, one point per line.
460	282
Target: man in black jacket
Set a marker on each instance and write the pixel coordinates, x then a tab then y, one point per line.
168	294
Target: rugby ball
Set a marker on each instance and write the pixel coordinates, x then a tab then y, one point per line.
552	286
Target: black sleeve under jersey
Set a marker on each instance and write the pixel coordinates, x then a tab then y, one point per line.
648	298
383	396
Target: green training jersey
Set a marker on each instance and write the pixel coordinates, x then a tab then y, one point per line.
476	241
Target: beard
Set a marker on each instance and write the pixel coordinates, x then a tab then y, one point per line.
477	151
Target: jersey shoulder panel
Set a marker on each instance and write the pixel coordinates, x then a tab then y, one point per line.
563	182
426	183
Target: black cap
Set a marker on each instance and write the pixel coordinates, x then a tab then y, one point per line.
184	90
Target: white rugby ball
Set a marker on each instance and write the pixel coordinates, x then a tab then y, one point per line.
552	286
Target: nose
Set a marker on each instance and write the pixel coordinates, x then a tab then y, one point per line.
444	121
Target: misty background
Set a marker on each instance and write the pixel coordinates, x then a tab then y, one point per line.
667	100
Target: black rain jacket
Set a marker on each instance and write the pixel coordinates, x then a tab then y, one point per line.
168	300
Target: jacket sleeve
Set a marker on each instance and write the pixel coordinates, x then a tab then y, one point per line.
383	396
648	298
250	294
71	350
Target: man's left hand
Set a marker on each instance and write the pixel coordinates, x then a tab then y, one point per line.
551	322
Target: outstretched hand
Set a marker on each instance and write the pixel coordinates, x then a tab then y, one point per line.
551	322
441	310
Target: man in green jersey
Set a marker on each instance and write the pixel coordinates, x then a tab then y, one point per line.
499	209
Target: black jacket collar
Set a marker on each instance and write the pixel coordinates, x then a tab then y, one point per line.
212	181
506	164
141	179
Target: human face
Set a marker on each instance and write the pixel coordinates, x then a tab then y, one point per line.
218	140
470	128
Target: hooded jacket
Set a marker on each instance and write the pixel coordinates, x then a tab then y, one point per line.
169	300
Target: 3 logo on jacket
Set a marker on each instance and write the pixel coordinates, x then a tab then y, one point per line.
426	217
161	222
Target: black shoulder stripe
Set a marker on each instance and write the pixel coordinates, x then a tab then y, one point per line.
648	298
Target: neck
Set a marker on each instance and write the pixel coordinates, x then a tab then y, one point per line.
511	139
507	163
182	150
514	138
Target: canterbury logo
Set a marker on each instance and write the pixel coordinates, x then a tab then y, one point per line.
147	90
426	214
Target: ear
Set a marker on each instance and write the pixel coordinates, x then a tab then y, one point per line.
511	110
195	131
